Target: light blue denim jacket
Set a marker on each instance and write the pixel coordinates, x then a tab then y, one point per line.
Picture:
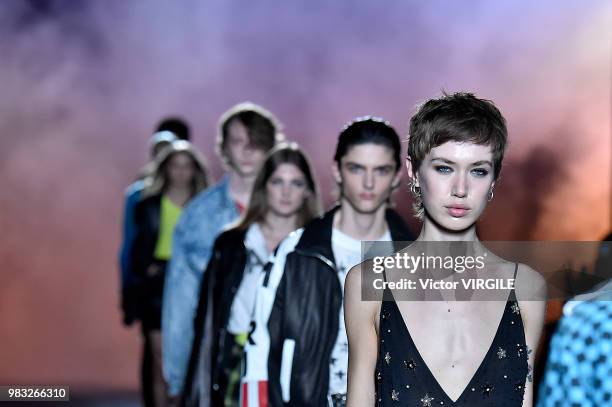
194	236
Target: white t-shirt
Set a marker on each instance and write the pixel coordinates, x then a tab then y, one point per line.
244	301
347	253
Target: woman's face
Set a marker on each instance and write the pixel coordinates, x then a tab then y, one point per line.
286	190
180	170
455	180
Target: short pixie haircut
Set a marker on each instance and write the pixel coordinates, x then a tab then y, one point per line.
368	129
459	117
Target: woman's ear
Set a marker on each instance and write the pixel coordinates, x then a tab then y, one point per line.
411	172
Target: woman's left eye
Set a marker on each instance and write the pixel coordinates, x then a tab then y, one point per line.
480	172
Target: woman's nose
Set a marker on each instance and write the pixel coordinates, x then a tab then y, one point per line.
460	187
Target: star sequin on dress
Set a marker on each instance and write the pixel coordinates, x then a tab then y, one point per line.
394	395
515	308
426	400
410	364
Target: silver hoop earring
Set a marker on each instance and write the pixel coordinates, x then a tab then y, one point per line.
416	191
490	198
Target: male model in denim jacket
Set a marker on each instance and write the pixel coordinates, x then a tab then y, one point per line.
246	133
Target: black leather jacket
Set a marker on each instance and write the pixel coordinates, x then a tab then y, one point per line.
306	309
221	281
146	216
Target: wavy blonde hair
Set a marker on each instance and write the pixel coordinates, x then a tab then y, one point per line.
157	182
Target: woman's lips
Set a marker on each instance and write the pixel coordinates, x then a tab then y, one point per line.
457	211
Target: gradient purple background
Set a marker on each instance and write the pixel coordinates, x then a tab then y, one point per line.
84	83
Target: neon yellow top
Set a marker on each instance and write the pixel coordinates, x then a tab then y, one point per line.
169	215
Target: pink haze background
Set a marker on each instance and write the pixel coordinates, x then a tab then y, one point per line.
84	83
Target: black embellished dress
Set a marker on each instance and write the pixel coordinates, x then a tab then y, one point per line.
403	378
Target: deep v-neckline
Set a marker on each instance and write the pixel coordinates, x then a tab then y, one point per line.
426	366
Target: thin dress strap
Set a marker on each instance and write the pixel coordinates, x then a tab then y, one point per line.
387	294
515	270
513	292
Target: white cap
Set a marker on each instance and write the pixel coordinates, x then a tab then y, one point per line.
163	136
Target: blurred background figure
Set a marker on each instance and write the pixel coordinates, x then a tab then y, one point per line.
603	265
179	174
284	198
579	364
158	142
175	125
246	133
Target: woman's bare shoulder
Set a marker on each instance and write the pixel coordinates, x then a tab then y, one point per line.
529	284
353	290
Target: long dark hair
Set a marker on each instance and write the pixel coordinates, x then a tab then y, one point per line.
283	153
157	182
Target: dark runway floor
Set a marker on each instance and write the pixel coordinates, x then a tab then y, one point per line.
118	400
87	400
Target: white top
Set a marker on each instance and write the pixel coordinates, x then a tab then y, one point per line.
257	348
244	301
347	253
